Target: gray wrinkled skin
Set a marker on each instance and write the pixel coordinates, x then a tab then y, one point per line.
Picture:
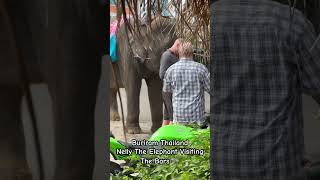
142	61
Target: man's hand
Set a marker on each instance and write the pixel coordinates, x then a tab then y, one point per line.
165	122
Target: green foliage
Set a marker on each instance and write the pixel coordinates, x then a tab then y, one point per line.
181	167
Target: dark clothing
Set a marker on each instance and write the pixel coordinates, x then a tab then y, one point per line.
168	110
167	59
260	68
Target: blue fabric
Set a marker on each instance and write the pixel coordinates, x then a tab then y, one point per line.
113	48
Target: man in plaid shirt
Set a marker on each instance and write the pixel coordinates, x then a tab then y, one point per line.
264	56
187	80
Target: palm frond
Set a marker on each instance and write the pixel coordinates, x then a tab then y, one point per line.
192	18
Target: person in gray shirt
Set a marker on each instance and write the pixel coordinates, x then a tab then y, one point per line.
168	58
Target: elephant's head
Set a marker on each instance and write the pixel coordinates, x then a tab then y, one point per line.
151	43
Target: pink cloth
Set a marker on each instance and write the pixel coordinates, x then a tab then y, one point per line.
113	26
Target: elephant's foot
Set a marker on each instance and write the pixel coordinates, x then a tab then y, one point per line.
133	129
15	174
154	129
114	116
155	126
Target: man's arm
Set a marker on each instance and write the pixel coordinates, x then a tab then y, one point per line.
309	66
164	65
167	87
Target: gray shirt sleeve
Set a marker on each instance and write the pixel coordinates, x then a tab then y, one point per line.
167	59
167	87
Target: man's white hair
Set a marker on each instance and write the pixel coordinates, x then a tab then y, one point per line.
186	50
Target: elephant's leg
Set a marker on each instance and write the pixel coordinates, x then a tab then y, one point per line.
133	87
72	73
155	98
13	161
114	113
74	98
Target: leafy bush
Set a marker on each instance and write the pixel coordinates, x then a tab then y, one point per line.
183	167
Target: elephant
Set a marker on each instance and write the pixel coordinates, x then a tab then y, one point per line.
62	47
139	58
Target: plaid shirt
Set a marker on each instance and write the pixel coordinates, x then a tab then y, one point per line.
187	80
260	67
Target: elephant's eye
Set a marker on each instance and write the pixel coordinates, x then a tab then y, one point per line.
138	59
